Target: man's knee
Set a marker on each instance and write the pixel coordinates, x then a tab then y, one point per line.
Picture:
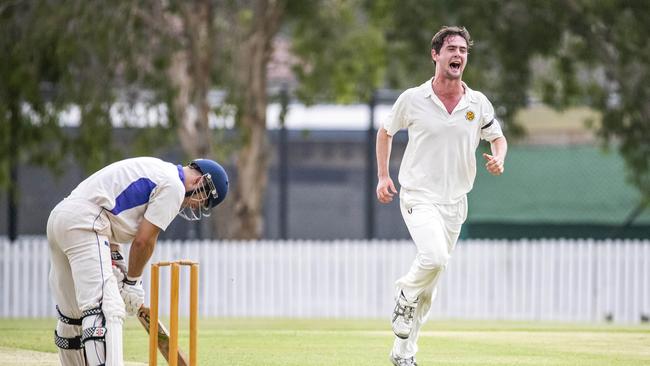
112	303
67	338
432	261
94	332
102	332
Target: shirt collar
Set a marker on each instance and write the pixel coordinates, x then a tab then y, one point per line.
427	88
427	92
181	173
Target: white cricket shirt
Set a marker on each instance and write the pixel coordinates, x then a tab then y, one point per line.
439	164
131	189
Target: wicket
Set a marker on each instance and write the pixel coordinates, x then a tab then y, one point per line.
173	311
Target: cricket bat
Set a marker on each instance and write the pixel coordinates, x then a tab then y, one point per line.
163	337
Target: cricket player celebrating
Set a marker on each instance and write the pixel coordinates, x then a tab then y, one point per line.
445	121
129	201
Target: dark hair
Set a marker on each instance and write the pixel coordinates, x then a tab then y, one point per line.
444	32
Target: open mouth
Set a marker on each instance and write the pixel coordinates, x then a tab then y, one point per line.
455	65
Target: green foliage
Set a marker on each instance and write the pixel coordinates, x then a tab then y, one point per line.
62	58
41	72
341	53
615	55
30	65
90	54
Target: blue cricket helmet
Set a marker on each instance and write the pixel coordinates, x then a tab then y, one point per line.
218	176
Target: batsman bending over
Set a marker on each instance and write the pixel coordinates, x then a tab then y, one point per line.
129	201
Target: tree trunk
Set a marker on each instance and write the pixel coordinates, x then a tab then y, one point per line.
252	161
189	26
189	74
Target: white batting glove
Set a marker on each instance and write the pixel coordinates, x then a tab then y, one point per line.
117	258
119	275
133	294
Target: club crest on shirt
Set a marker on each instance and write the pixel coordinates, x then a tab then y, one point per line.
469	116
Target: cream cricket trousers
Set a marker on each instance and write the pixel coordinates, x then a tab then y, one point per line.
434	229
81	278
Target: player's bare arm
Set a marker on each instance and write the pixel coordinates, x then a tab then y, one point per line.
495	163
385	187
142	247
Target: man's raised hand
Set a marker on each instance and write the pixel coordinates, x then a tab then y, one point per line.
493	165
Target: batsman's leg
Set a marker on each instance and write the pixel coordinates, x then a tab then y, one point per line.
67	335
99	299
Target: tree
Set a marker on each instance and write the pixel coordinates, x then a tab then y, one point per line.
341	51
90	55
248	29
608	39
181	38
337	63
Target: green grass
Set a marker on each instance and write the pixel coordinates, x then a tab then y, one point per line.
258	342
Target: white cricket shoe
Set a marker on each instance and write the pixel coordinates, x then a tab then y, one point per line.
399	361
403	316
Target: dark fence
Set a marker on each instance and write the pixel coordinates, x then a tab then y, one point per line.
547	191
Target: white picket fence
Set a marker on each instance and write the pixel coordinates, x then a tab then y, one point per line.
558	280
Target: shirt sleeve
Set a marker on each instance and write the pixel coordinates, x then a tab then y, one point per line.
164	205
490	127
398	116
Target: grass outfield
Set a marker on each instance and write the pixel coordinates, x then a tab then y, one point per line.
258	342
